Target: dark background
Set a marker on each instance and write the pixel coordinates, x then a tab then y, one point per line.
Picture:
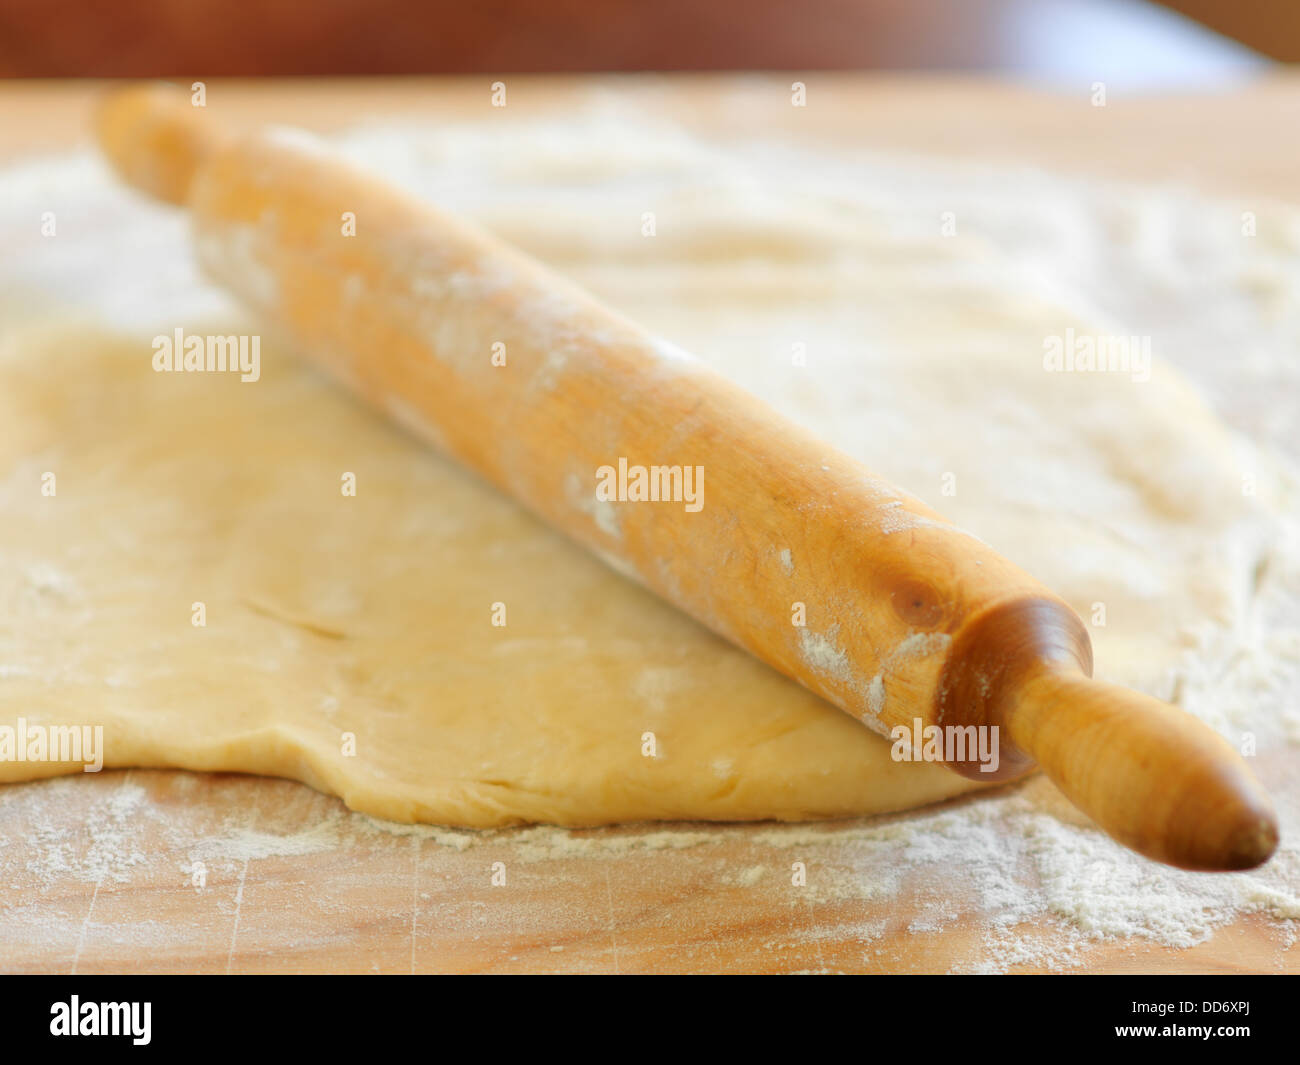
1130	41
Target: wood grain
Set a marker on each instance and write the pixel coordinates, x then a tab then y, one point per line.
378	902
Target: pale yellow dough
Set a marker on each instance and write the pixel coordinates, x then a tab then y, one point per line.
370	615
329	616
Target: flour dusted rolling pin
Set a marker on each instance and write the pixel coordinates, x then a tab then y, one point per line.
905	616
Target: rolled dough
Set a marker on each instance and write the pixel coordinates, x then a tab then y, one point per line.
349	640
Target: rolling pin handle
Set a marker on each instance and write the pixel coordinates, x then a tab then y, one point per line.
1154	777
154	138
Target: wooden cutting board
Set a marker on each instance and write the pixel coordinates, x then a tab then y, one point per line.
167	871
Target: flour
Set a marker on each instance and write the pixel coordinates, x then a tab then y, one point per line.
876	695
821	653
104	849
751	876
245	844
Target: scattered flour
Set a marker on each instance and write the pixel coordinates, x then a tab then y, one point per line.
249	844
104	847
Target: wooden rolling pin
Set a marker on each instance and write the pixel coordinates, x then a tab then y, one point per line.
533	383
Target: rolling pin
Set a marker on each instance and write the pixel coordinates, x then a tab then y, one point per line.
795	552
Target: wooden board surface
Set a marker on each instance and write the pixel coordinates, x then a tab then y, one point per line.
100	871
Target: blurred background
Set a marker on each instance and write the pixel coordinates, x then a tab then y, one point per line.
1130	44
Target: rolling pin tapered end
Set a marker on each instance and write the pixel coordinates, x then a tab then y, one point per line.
154	137
1251	841
1154	777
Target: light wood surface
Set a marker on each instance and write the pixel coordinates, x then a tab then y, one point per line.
401	903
